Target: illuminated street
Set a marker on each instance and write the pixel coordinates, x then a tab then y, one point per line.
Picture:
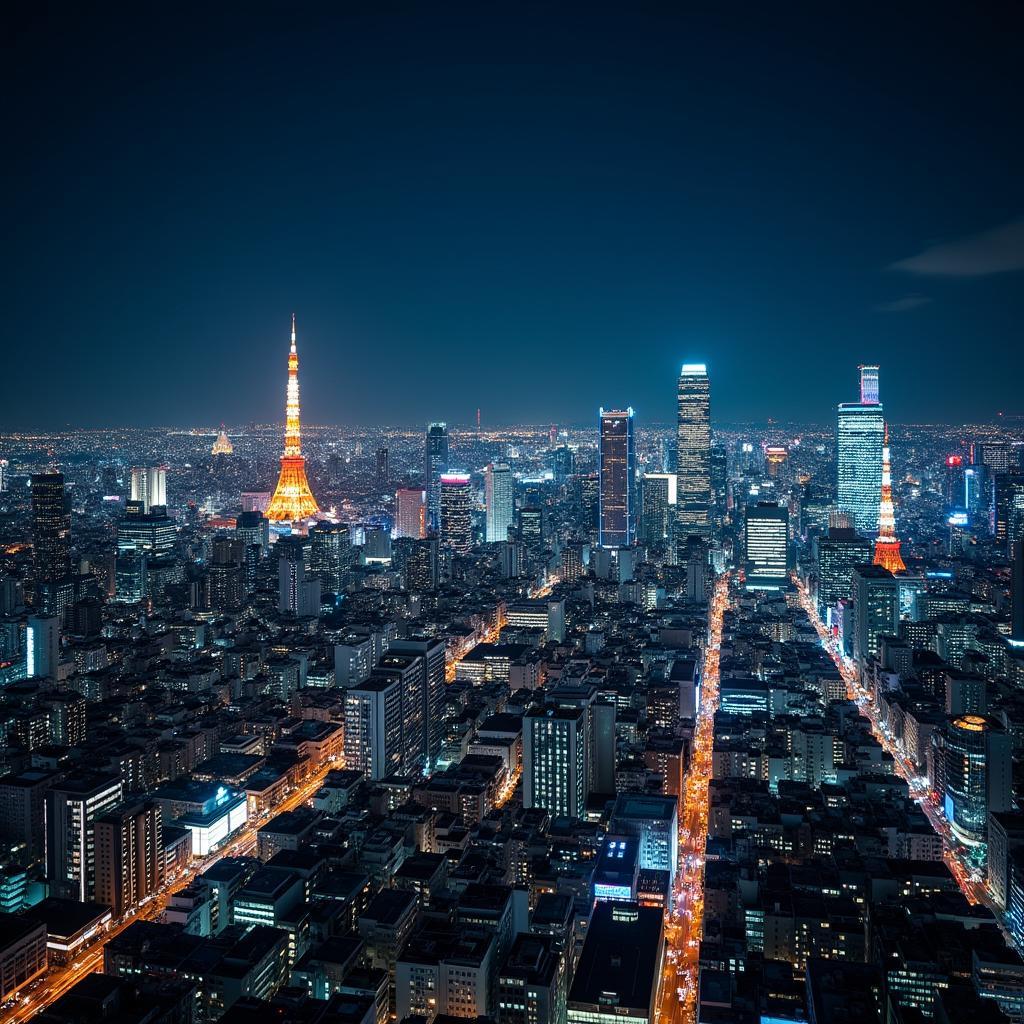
967	877
685	920
61	978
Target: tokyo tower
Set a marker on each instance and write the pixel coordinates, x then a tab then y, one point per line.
292	500
887	546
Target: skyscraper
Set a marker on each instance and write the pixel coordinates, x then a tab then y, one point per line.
767	540
456	512
978	775
422	571
410	512
383	469
431	650
330	555
693	453
868	385
657	504
292	498
499	496
149	485
373	727
860	437
435	463
887	546
838	553
51	528
617	479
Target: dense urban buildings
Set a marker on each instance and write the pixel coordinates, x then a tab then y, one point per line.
540	759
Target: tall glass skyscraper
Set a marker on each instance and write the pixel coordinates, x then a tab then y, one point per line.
617	485
499	496
860	434
456	512
693	455
435	463
766	537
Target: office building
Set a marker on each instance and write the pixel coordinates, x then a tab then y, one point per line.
1007	505
654	821
693	454
410	513
860	435
129	855
555	768
373	727
297	592
532	526
435	463
499	498
72	807
51	528
422	567
876	609
658	508
330	556
42	647
383	469
149	487
253	527
456	524
618	978
838	553
153	531
532	981
617	479
23	808
978	777
766	540
869	393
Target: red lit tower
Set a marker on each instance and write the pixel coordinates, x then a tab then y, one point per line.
887	546
292	500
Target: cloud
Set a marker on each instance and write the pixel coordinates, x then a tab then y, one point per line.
908	302
996	251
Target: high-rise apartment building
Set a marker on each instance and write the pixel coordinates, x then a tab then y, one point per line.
617	479
766	541
373	727
499	498
408	670
693	453
555	766
456	524
860	438
432	652
72	807
435	463
410	513
129	855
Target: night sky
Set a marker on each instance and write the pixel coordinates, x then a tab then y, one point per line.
531	212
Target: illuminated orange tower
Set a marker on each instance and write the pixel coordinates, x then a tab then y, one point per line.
887	546
292	498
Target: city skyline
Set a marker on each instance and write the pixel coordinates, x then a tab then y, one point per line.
512	188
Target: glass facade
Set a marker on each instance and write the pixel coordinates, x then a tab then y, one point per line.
617	472
859	440
693	453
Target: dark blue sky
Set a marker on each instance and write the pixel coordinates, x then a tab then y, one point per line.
532	212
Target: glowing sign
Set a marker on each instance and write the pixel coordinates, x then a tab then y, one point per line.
958	519
694	369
